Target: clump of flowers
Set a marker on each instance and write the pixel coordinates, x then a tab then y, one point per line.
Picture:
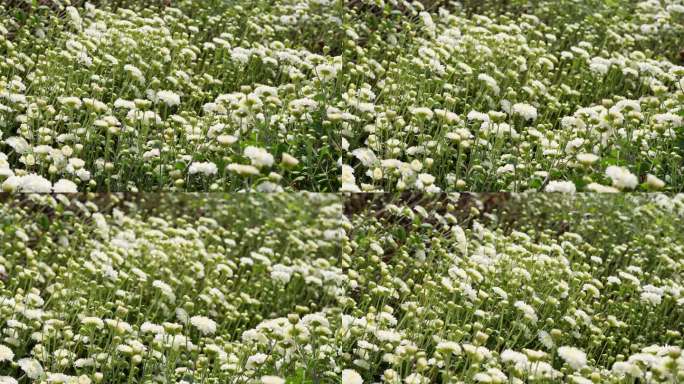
275	288
137	96
499	96
161	289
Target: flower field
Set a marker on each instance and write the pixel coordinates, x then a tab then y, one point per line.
353	95
205	96
316	288
341	191
117	290
556	96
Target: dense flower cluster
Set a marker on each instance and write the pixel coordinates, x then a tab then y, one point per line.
355	95
203	96
274	287
546	289
152	291
282	100
587	94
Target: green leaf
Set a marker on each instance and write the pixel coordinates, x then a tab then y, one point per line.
44	222
400	233
679	138
20	16
535	183
299	378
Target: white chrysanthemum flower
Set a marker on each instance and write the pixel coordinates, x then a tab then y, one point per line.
652	295
93	321
11	184
269	187
31	368
289	160
243	169
148	327
125	104
71	102
574	357
366	156
560	186
75	17
511	356
422	113
587	158
490	81
169	98
546	339
303	105
448	347
622	178
482	377
119	326
19	144
8	380
182	315
33	183
527	310
326	72
6	353
350	376
595	187
654	182
282	273
259	156
151	154
525	111
428	23
226	139
256	360
416	378
573	145
272	380
625	368
135	72
65	186
206	168
204	324
165	289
